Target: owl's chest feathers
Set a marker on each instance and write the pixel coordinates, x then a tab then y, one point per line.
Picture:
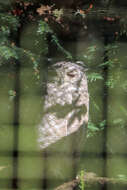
63	93
66	99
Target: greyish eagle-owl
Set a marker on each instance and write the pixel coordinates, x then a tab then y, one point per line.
66	105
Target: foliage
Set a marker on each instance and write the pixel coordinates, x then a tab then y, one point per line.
8	25
7	52
114	80
110	82
113	62
10	21
94	76
94	128
45	30
34	59
8	49
89	55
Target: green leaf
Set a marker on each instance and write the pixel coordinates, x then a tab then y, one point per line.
94	76
7	52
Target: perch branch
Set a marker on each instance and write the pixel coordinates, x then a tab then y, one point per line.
90	179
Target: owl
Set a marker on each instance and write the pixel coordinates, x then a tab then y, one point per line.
66	104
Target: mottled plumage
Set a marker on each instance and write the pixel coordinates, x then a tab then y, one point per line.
66	104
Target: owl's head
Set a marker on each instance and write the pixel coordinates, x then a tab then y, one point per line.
69	72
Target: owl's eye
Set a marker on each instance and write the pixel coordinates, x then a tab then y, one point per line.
71	73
